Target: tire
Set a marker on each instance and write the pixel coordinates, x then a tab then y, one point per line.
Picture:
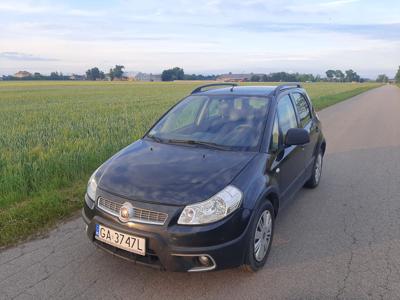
315	178
255	260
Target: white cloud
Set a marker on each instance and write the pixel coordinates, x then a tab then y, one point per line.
201	36
17	56
320	7
21	7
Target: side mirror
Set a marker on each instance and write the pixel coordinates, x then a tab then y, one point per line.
297	136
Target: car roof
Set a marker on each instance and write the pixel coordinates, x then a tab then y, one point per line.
263	90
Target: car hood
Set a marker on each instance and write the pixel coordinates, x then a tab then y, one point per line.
170	174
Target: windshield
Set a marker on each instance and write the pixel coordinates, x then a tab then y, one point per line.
234	122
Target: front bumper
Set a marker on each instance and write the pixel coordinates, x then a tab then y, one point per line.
175	247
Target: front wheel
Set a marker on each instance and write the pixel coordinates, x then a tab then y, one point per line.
260	241
317	172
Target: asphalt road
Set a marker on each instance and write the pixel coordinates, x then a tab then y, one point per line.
341	240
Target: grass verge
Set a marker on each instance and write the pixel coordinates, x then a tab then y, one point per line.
325	101
34	216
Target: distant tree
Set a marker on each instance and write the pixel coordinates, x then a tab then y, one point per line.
199	77
37	76
382	78
352	76
397	77
264	78
339	75
330	74
94	74
167	75
173	74
255	78
116	72
54	76
283	76
304	77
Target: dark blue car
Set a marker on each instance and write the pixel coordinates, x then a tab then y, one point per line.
201	190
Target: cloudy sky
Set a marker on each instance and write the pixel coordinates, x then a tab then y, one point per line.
207	36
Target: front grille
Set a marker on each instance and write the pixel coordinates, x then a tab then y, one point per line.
140	215
109	206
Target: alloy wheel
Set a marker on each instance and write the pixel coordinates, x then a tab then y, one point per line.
262	236
318	168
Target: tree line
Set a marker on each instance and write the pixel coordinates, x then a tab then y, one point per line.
91	74
385	79
284	76
115	73
178	74
331	75
340	76
38	76
397	77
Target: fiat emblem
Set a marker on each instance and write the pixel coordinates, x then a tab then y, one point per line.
125	212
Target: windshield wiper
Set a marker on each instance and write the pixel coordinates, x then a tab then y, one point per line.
200	143
155	138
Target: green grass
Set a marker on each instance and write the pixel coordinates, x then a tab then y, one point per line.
54	134
323	101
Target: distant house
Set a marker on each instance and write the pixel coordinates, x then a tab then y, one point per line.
77	77
130	76
147	77
22	74
155	77
123	78
234	77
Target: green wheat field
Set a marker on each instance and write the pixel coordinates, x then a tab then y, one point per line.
54	134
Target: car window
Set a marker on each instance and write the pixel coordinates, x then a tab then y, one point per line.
230	121
286	115
184	115
213	109
302	108
274	145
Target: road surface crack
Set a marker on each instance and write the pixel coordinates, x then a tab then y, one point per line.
354	241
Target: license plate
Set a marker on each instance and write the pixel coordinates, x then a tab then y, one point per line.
121	240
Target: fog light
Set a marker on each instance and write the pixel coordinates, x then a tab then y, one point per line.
204	260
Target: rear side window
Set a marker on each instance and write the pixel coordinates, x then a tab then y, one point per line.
286	115
302	108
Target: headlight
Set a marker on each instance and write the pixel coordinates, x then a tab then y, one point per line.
216	208
92	187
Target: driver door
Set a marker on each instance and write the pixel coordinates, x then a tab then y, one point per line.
288	162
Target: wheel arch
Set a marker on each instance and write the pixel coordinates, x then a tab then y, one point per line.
323	146
273	197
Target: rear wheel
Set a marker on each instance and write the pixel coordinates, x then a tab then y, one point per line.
262	231
317	171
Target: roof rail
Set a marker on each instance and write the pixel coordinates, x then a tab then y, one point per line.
199	89
283	87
